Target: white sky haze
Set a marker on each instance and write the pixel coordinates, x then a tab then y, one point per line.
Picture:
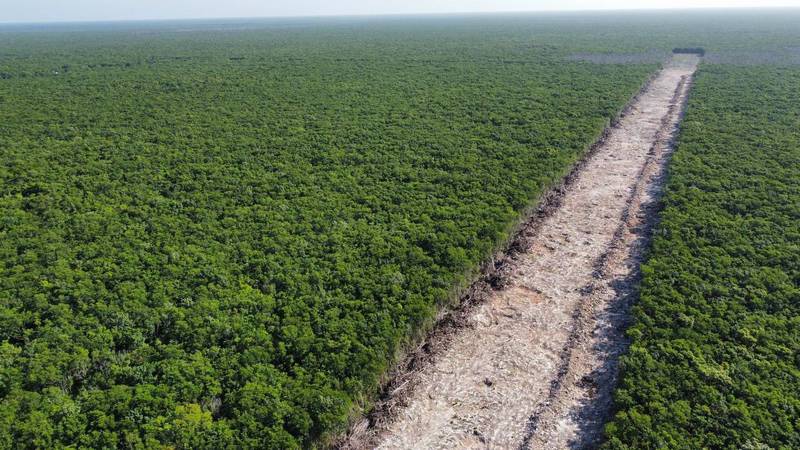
89	10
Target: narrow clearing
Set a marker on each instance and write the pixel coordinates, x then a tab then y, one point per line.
536	362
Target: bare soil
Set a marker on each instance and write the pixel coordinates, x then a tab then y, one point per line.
529	360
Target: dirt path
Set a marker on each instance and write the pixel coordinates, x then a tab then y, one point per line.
535	365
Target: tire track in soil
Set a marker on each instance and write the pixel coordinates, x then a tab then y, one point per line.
529	359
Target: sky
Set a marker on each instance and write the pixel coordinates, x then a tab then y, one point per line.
92	10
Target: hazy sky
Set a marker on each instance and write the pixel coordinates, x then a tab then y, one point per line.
71	10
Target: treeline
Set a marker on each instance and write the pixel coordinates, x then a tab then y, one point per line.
715	355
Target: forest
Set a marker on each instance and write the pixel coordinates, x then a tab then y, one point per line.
221	234
219	239
715	354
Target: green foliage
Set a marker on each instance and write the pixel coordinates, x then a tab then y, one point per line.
217	234
714	361
218	238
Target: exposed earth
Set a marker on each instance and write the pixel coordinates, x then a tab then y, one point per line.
535	363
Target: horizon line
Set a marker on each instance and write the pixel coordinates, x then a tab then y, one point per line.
399	14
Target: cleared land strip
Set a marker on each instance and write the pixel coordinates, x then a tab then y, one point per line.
535	365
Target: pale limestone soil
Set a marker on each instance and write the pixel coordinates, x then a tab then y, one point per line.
537	365
579	403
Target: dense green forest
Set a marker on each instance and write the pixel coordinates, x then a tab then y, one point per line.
218	234
715	358
218	238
